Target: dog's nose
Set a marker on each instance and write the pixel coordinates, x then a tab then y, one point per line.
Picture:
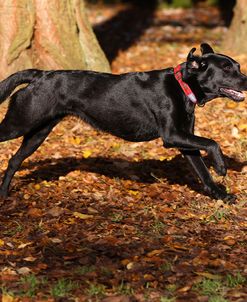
243	83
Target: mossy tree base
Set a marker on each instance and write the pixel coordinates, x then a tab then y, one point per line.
47	34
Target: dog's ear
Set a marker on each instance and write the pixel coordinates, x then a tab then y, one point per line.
193	62
206	48
191	54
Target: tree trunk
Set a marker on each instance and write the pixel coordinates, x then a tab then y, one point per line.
236	36
47	34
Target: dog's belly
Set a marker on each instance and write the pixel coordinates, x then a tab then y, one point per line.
136	136
130	128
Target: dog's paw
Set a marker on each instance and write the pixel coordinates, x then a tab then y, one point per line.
221	170
218	193
230	198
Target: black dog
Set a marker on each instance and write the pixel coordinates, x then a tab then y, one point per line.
139	106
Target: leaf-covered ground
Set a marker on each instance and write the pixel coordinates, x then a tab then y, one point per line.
91	217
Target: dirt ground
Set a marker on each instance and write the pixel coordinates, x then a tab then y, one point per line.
91	217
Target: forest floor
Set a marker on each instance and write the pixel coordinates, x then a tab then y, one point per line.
91	217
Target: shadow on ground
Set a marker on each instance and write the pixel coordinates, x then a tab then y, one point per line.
174	171
122	30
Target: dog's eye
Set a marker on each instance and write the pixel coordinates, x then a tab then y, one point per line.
203	65
227	67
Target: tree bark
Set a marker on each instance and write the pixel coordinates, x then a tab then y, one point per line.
236	37
47	34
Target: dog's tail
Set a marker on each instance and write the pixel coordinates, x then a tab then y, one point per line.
16	79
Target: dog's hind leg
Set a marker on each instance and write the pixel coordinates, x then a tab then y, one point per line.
9	131
31	142
201	170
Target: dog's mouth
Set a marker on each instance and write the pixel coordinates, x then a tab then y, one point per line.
235	95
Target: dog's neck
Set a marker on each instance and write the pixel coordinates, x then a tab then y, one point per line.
185	87
192	82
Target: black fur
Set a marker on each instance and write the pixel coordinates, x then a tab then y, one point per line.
139	106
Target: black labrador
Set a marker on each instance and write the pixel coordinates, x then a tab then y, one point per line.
138	106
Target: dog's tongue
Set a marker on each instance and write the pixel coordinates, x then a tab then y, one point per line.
234	93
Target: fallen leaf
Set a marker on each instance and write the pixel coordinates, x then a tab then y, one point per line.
55	211
82	216
24	270
30	259
125	261
7	271
92	210
166	210
130	265
229	240
244	169
41	266
34	212
149	277
209	275
184	289
26	196
134	192
7	298
10	244
70	220
179	247
155	253
23	245
37	187
77	140
231	105
86	153
56	240
235	132
242	126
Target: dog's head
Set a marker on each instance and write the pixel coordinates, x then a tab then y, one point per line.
216	75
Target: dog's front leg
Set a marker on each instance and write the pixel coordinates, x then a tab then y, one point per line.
201	170
189	141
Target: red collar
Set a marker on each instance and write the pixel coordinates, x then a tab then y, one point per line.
186	89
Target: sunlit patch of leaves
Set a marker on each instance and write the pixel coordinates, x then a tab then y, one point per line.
241	148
